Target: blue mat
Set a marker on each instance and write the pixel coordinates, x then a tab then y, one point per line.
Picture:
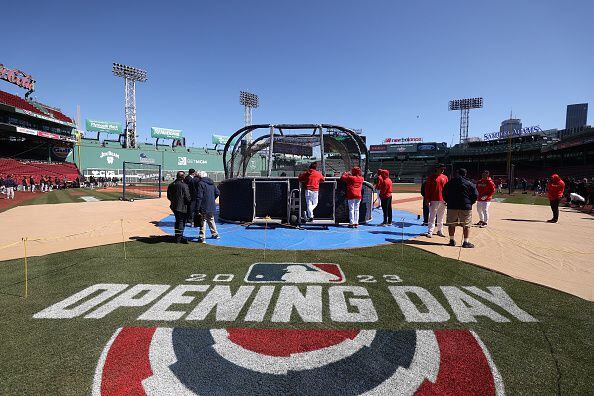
312	237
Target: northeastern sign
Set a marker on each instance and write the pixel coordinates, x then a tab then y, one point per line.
17	77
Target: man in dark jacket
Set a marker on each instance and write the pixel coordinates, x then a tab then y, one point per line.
192	180
207	194
425	204
460	194
178	194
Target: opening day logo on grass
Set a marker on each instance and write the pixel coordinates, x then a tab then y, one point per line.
239	359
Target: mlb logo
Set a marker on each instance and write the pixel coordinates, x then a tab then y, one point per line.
294	273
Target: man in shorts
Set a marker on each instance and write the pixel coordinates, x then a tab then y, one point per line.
460	194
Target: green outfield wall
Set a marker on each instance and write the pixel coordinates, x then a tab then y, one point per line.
107	160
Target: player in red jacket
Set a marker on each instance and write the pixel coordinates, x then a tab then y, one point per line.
354	185
384	186
434	196
555	188
311	178
486	188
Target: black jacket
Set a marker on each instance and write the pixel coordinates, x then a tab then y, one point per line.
206	194
460	193
193	184
179	195
9	183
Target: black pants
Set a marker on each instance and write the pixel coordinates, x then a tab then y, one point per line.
425	212
180	224
387	209
555	209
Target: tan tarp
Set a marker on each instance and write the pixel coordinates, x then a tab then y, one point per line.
518	242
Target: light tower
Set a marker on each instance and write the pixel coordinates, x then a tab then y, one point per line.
130	75
464	105
249	101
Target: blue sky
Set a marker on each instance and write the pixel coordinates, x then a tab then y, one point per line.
388	67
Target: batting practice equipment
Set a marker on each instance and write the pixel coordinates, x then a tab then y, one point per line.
275	195
141	181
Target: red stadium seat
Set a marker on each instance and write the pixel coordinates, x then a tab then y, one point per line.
18	102
20	169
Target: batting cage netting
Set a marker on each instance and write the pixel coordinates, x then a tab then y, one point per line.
141	181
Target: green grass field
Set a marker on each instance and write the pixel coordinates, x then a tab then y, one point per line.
72	195
526	199
58	356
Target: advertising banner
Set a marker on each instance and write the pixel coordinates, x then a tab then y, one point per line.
17	77
427	147
516	132
164	133
403	140
403	148
378	148
104	126
219	139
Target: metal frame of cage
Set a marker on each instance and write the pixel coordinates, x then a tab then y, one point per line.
278	130
238	151
123	198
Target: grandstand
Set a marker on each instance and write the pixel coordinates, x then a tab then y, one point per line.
535	156
21	168
35	139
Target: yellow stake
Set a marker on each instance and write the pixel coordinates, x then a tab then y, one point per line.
123	238
26	269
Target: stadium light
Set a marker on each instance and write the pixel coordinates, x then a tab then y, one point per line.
464	105
130	75
130	72
249	101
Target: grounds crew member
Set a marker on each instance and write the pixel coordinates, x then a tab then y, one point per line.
433	195
354	185
207	193
460	194
555	188
384	186
179	195
486	188
311	178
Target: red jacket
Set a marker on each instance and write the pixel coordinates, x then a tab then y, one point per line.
434	187
384	184
555	187
312	179
354	182
486	188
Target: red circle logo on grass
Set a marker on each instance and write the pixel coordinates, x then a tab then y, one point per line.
191	361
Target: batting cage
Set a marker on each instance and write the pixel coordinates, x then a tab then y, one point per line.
284	151
140	181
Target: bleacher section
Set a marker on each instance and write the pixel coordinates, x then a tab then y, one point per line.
33	107
15	101
19	169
